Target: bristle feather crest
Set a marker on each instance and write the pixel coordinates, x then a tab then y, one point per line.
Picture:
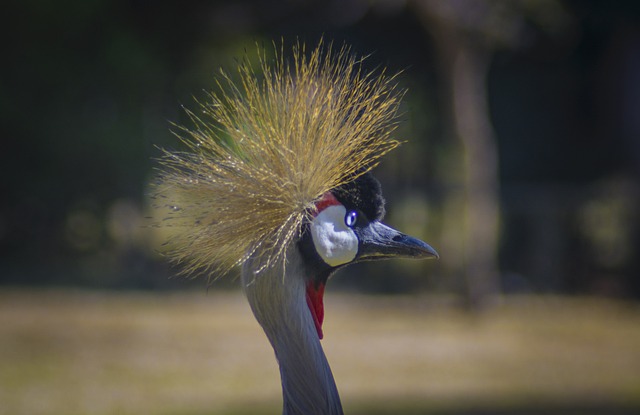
263	150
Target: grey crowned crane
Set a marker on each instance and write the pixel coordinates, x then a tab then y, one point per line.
276	180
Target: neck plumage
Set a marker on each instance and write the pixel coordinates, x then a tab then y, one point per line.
279	304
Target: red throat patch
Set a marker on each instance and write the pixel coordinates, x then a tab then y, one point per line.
315	294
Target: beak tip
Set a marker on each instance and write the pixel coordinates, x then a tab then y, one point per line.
428	252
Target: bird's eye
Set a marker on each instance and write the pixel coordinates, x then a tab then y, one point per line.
351	218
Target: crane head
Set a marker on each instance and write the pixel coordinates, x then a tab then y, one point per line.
283	159
346	228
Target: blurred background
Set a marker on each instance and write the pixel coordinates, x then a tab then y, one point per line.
521	167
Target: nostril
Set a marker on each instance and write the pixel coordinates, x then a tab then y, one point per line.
397	238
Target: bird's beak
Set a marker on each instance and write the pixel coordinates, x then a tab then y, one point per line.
379	241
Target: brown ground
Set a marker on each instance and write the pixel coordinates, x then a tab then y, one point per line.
85	352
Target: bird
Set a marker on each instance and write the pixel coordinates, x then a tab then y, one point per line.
276	180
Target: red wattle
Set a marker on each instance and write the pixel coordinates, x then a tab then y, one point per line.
315	294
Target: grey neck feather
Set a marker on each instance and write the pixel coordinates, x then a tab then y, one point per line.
279	304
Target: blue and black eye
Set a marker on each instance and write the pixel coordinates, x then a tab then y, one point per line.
351	218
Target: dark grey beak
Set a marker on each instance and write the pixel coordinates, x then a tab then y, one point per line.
379	241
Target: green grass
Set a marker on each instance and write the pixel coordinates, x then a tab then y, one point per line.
65	352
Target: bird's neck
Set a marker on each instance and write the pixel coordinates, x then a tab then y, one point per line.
279	304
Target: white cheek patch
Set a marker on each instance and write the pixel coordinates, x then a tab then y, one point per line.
334	241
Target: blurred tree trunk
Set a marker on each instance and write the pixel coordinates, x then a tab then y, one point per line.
464	61
473	129
466	33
